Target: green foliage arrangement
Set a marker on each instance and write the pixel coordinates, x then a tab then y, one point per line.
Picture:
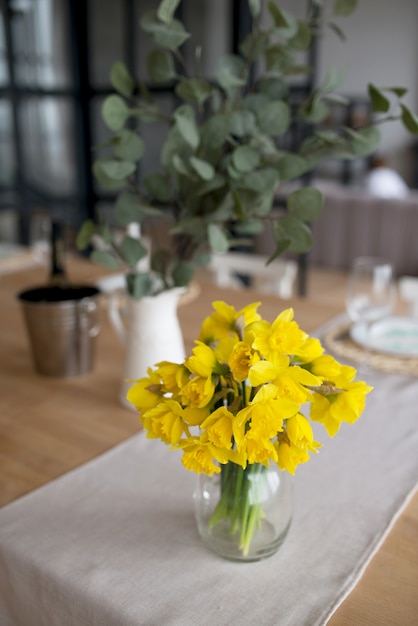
222	161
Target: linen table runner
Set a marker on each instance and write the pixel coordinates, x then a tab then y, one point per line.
114	542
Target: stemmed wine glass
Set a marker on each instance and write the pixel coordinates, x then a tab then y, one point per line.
370	294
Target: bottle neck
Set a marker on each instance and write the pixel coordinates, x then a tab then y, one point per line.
58	275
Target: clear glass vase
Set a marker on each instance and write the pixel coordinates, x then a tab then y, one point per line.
244	514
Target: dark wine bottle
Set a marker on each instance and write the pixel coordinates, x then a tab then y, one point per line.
58	274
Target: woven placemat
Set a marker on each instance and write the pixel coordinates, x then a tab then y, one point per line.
338	340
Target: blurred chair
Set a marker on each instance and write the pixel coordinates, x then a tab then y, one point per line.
277	277
408	291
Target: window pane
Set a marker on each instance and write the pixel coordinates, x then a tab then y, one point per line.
106	38
41	40
48	144
4	73
7	147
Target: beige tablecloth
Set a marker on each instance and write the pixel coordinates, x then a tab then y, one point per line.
114	542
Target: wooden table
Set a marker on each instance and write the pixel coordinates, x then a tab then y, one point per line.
49	426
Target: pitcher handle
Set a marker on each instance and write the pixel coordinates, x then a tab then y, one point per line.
116	309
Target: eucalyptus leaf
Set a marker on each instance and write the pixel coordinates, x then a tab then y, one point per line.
129	146
255	101
216	182
132	251
282	244
315	110
261	180
157	186
103	179
303	38
195	90
337	30
245	158
130	208
274	118
84	235
107	259
255	7
187	127
115	112
217	238
174	144
253	46
344	7
167	9
215	130
332	80
295	233
398	91
160	261
189	226
366	141
160	66
181	167
225	207
305	204
336	98
242	123
169	35
231	72
202	168
139	285
291	166
273	87
286	23
380	104
233	173
182	273
409	120
279	16
116	169
121	79
277	58
249	227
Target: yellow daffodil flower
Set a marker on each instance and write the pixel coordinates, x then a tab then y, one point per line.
165	421
218	426
223	322
242	358
237	398
173	376
198	392
345	406
203	361
203	457
282	337
146	392
267	412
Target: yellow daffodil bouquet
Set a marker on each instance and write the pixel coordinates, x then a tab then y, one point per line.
244	399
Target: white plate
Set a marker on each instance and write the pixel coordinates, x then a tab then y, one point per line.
392	335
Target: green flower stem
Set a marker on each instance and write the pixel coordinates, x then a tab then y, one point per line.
239	502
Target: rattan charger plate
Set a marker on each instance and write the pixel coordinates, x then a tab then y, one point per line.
338	341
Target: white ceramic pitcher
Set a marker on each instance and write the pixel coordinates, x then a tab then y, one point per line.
150	330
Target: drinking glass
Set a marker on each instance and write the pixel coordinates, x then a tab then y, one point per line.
370	294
